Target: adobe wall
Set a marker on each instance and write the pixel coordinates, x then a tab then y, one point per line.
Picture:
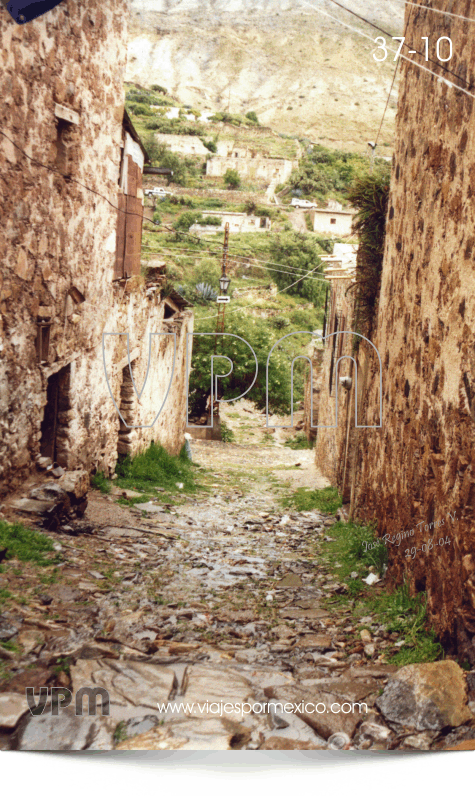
421	466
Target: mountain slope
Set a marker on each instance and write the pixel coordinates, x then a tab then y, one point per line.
302	72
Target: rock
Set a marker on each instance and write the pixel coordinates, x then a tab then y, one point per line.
138	725
370	650
6	655
65	732
7	629
49	491
374	731
43	463
339	741
319	716
12	708
155	739
420	741
365	636
120	491
426	696
130	683
29	639
314	642
58	472
75	483
290	581
303	614
33	507
284	743
45	600
95	574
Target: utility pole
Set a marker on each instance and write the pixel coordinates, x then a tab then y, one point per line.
222	284
222	299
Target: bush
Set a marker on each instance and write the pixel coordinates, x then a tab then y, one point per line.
140	109
213	221
211	146
300	253
370	196
186	219
252	116
157	217
232	179
159	89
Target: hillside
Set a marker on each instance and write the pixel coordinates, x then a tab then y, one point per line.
301	71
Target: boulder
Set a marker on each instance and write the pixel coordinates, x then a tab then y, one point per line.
426	697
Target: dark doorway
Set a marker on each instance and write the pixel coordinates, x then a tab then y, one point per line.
53	424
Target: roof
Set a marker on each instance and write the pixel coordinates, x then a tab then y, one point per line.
127	124
157	170
336	212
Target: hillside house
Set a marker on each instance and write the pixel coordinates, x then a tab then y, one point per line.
238	222
251	166
182	145
331	221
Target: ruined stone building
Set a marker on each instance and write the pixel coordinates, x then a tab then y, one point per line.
417	473
332	367
72	206
251	166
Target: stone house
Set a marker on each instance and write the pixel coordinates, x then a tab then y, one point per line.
72	205
238	222
182	145
330	221
251	166
417	473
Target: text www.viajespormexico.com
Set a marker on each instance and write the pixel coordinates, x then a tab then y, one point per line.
304	707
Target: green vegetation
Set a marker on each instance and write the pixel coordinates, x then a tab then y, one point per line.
27	545
298	442
100	482
120	732
370	195
232	179
325	500
299	255
227	434
398	611
155	467
328	174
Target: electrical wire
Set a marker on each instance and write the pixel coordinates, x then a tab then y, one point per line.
392	84
376	27
410	60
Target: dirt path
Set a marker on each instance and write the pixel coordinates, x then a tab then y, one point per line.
215	607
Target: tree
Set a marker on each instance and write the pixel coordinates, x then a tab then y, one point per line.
299	254
252	116
232	179
184	222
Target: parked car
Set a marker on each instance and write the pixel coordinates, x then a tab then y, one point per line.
157	191
302	203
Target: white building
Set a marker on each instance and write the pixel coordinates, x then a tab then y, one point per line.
332	222
238	222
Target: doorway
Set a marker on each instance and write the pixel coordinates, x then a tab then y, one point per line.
53	426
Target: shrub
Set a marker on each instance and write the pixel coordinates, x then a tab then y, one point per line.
370	196
252	116
232	179
211	146
159	89
186	219
210	220
157	217
300	253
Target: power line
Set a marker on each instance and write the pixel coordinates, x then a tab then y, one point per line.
410	60
237	309
392	83
376	27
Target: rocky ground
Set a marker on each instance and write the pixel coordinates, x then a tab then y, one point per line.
220	604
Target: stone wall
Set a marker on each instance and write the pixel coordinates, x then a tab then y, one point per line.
184	145
61	83
252	168
421	465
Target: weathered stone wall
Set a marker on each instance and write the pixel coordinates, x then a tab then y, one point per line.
332	445
421	466
58	240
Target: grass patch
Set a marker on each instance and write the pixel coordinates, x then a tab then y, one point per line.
156	466
100	482
325	500
27	545
298	442
398	611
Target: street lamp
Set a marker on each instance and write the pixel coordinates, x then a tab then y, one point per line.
224	283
